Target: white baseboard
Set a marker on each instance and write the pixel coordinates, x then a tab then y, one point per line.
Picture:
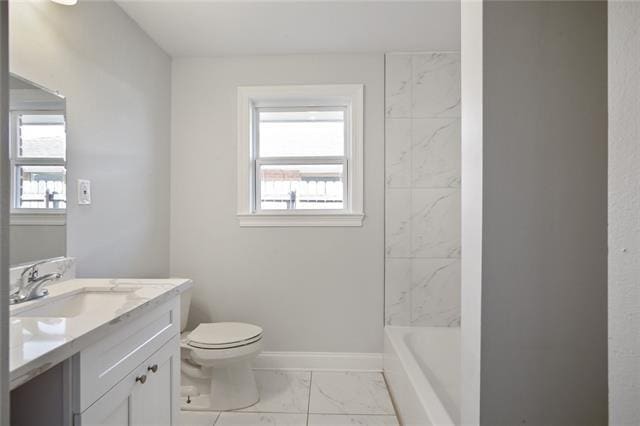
318	361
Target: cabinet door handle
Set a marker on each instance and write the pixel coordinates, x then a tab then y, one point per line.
153	368
141	379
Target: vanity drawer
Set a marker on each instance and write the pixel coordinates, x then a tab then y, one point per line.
99	367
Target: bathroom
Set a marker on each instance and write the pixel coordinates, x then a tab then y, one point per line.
319	212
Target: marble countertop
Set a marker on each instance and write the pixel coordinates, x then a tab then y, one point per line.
38	343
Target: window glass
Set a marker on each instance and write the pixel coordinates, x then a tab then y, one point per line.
41	187
301	187
41	136
301	133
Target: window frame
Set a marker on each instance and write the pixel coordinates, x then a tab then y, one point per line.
251	100
25	215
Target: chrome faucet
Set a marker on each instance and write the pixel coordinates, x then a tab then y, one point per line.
31	284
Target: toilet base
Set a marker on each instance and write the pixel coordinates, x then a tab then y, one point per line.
231	387
195	403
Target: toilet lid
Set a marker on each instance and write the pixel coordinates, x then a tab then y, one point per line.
223	334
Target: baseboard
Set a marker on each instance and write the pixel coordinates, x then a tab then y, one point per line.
318	361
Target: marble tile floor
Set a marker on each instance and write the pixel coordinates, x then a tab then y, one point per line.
305	398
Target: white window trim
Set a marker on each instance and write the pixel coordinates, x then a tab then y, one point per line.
351	96
51	217
27	216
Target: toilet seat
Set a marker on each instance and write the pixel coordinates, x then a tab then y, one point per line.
223	335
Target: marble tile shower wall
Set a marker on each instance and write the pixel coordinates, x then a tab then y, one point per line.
422	241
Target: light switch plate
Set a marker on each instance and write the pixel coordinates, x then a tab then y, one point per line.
84	192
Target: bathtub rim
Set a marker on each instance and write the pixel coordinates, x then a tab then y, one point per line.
424	392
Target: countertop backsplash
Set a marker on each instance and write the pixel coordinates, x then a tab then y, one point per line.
66	266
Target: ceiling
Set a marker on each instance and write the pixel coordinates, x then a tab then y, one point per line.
220	28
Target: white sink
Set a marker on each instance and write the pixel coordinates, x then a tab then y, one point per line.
89	302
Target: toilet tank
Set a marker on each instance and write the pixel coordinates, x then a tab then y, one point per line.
185	303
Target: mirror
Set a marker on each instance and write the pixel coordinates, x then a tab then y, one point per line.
37	153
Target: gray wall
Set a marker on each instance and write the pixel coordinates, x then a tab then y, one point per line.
624	217
544	278
311	289
117	84
35	242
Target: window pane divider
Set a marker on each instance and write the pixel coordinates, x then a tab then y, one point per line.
311	106
39	161
44	123
277	161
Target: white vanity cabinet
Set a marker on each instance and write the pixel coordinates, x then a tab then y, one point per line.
132	376
98	352
147	396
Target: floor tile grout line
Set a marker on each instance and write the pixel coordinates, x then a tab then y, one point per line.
354	414
309	412
216	419
265	412
309	399
391	398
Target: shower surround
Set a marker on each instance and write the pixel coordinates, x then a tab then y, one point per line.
422	188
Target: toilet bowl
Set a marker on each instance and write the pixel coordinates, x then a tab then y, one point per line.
216	361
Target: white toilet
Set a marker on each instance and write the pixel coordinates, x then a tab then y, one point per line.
216	363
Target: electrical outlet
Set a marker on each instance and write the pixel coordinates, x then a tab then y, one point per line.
84	192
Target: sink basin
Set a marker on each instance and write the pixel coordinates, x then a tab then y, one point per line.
87	302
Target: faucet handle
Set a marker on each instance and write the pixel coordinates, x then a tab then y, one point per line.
33	274
31	271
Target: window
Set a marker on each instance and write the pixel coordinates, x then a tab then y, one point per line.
300	155
38	166
300	159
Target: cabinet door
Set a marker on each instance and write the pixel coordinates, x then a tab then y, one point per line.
156	401
117	416
144	397
112	409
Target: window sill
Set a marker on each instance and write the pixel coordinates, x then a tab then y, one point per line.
297	220
41	218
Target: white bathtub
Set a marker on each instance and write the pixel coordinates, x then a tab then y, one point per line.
422	368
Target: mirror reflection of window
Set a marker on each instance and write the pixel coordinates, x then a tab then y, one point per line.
38	160
38	169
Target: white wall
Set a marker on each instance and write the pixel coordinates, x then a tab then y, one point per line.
311	289
471	210
117	84
624	216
